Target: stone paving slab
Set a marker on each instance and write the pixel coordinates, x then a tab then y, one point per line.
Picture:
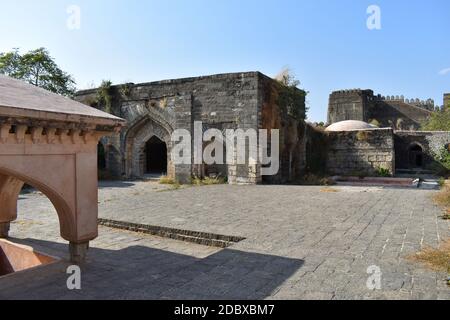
301	243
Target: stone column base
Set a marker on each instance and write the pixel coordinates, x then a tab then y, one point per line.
4	230
78	252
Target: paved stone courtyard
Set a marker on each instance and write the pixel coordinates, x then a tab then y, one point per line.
301	242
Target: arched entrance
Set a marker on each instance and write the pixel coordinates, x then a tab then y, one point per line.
416	156
155	156
147	148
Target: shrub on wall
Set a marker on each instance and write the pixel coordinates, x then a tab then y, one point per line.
104	96
125	90
444	158
383	172
375	122
290	97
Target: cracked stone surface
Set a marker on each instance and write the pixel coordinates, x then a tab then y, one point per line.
301	243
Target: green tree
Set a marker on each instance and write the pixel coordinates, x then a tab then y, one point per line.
10	63
38	68
439	121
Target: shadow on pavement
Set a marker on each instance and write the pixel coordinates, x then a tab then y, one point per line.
139	272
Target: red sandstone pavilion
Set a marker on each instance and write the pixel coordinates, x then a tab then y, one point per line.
50	142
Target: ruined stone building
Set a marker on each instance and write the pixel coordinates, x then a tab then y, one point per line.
254	101
392	111
226	101
355	146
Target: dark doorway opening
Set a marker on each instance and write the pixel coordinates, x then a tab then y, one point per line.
416	156
156	156
101	156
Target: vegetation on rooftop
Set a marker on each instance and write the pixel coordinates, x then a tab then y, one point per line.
104	96
290	97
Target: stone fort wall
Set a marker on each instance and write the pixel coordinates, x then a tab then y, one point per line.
360	152
395	112
349	105
431	144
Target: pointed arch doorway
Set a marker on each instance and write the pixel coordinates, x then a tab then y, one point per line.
155	157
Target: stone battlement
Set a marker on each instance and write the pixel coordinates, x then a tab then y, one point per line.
428	104
351	92
447	100
389	111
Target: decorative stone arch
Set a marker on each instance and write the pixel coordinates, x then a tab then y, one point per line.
11	184
62	164
50	142
135	141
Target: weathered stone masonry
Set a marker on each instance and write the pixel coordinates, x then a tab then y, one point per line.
225	101
396	112
447	100
428	144
360	152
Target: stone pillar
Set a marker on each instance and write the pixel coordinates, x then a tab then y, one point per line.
10	188
78	252
4	230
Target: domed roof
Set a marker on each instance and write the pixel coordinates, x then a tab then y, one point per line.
350	125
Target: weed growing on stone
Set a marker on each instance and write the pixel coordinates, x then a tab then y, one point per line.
435	259
167	180
196	181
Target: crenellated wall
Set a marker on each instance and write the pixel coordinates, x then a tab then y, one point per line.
349	105
395	112
447	100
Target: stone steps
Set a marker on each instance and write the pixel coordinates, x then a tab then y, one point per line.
202	238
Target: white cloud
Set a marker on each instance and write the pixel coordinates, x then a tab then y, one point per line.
444	72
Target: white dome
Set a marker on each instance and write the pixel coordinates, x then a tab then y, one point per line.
350	125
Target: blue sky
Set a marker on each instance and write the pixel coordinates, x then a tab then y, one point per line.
325	42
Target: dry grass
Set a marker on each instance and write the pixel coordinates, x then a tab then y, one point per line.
174	184
446	215
167	180
207	181
443	197
435	259
314	180
173	187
